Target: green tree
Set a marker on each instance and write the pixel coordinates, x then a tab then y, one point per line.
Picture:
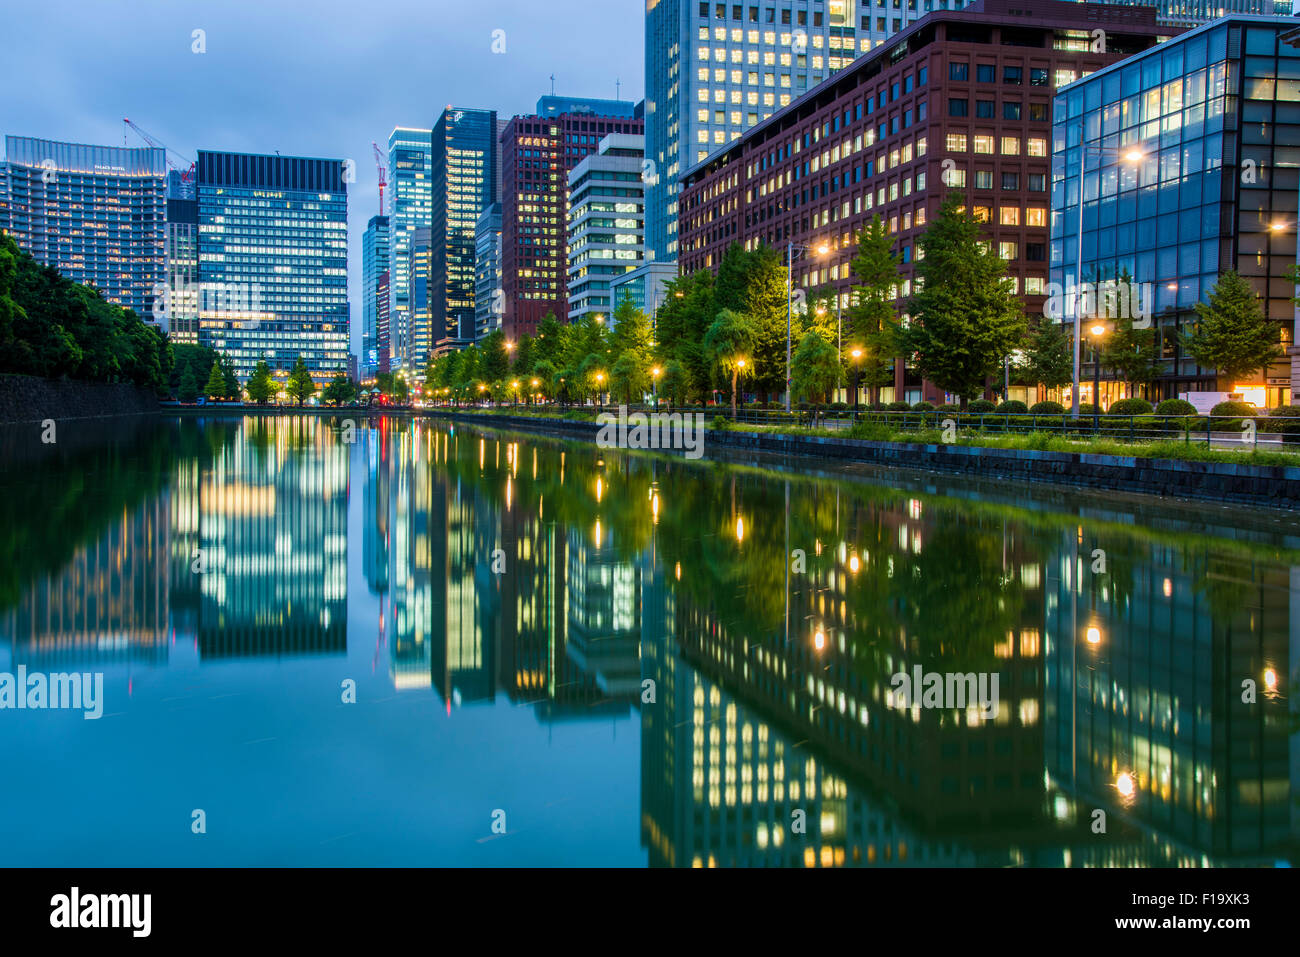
815	367
496	360
872	318
524	357
728	342
341	389
401	390
964	318
261	386
683	317
216	387
674	383
545	373
300	385
188	390
552	338
631	331
1231	334
628	378
1048	357
1131	353
232	381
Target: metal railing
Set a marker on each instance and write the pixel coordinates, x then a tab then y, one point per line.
1213	430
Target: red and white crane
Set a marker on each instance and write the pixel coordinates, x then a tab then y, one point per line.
185	166
381	166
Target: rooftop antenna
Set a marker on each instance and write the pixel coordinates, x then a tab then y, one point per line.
618	87
552	84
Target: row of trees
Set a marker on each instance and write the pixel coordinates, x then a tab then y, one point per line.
53	327
960	325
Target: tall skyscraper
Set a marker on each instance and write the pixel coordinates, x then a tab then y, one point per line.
713	70
419	263
538	153
410	190
375	258
487	271
606	222
273	260
464	172
177	310
97	214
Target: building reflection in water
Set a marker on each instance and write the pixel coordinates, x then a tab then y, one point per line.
755	620
259	543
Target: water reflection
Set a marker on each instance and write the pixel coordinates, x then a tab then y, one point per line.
749	621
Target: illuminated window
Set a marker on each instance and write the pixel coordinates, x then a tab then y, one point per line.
956	142
1010	146
1010	215
983	144
1037	146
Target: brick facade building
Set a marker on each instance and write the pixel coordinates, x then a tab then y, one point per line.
965	95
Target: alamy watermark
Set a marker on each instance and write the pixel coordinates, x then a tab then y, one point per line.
657	430
66	692
947	690
1109	299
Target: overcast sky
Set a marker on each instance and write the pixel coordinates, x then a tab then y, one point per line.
307	77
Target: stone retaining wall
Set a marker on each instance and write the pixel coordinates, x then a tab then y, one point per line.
1277	486
31	399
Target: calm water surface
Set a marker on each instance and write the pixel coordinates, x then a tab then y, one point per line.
628	659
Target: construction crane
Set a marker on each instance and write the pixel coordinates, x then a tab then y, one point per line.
182	164
382	167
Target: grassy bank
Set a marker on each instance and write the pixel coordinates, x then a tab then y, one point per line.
1035	441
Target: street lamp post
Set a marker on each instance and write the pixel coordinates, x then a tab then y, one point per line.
857	355
1098	330
790	247
654	383
1131	155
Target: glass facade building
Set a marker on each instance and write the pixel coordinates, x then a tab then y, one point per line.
411	201
487	271
464	174
374	263
273	245
97	214
1193	156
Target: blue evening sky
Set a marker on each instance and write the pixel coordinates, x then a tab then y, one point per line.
319	78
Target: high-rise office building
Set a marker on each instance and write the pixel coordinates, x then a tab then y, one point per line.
419	272
177	309
97	214
606	223
383	322
464	175
713	70
273	261
539	152
1191	13
962	96
487	271
1191	153
375	258
410	190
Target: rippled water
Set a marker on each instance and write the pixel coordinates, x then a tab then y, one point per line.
566	655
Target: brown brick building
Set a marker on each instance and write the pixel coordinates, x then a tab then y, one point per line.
537	154
964	93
